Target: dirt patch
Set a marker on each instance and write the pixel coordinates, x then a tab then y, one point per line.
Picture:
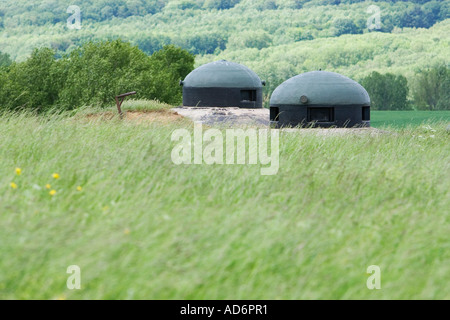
159	116
162	116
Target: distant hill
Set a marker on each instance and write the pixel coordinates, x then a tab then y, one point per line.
277	38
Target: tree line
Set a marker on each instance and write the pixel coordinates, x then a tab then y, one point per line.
93	74
430	90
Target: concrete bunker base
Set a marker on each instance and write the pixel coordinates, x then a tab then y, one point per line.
250	98
320	116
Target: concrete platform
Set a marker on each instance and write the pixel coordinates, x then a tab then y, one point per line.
226	116
259	118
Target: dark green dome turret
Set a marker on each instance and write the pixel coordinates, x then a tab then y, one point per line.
222	84
320	98
320	88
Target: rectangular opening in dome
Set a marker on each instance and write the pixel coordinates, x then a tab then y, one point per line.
248	95
365	113
320	114
274	113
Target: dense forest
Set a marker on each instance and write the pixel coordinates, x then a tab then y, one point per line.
206	26
406	47
407	13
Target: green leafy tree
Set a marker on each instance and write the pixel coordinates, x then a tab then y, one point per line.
32	84
303	34
188	4
202	43
258	39
97	72
432	89
221	4
151	43
345	26
5	60
387	92
416	18
266	5
169	66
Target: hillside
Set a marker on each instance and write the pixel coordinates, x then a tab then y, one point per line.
199	26
277	39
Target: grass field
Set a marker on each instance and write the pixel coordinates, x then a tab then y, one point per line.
142	227
402	119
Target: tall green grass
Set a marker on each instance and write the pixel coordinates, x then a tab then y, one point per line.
143	227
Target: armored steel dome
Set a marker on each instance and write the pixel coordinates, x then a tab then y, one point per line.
320	98
222	84
320	88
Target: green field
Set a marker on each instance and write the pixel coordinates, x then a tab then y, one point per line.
142	227
402	119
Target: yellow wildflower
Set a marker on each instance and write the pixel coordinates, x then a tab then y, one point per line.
52	193
47	186
79	188
55	176
18	171
13	185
